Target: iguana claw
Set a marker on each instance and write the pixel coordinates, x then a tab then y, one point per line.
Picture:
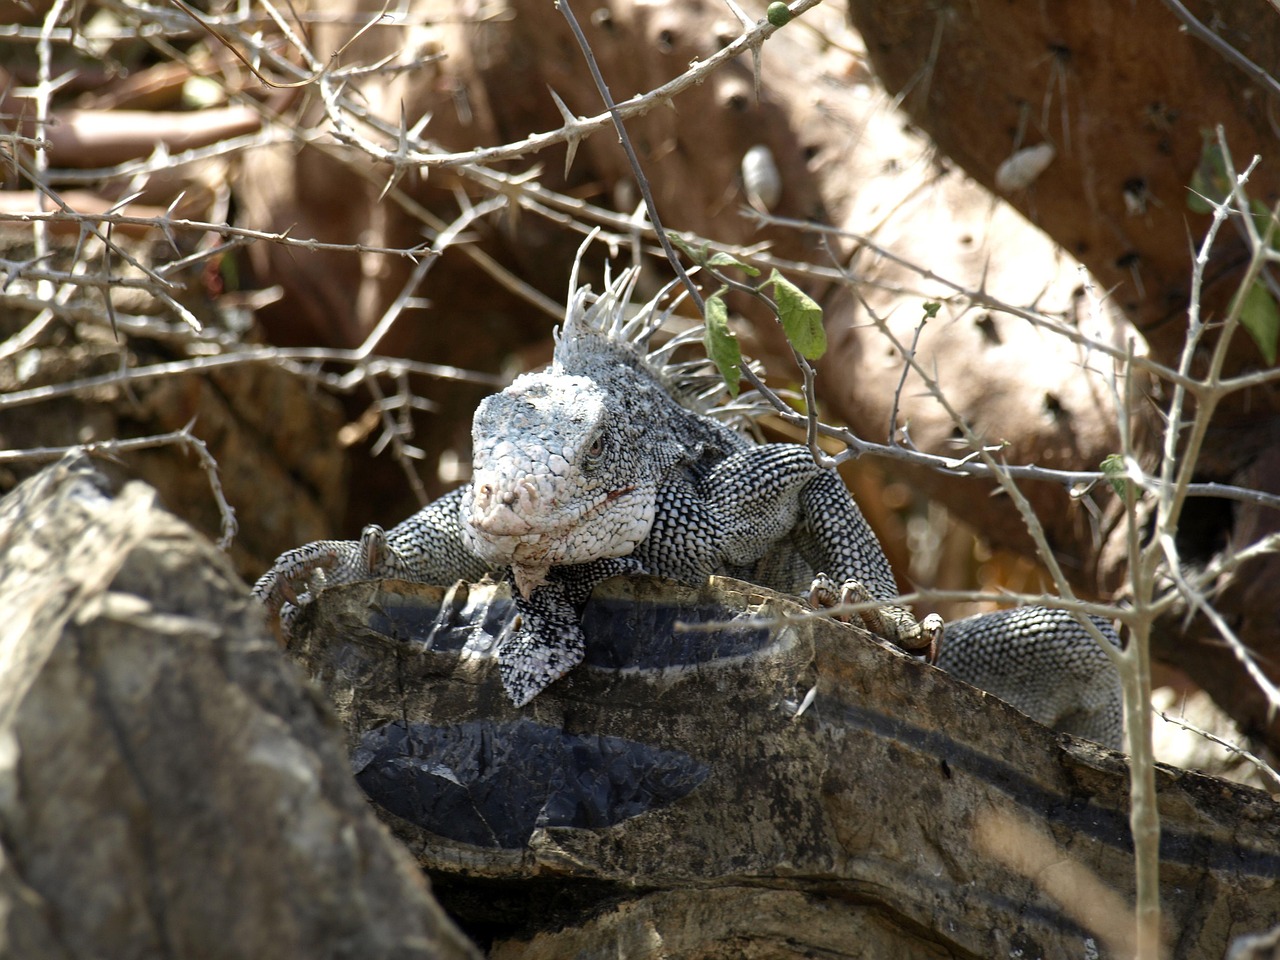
923	638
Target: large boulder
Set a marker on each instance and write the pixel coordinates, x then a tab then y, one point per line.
170	786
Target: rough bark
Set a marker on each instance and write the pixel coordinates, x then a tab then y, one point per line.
665	799
169	784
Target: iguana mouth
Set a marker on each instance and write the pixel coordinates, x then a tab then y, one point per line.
519	512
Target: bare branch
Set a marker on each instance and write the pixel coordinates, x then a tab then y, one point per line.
114	448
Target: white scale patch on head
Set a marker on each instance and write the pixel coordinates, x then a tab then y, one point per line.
543	492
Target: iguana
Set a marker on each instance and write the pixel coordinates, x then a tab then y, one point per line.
615	460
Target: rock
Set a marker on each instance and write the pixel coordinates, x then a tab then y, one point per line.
169	784
790	787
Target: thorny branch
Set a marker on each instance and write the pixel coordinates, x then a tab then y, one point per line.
1261	765
168	225
632	158
1255	73
114	448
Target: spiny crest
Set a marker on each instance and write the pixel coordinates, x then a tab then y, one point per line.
609	325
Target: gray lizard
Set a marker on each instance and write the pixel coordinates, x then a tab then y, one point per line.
613	461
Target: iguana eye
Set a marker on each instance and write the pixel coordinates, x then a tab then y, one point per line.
596	449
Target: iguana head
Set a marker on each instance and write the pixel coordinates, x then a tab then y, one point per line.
563	473
567	462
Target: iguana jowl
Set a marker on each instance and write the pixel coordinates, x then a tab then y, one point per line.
610	462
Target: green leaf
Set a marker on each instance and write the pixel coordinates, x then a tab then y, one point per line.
1260	317
722	345
931	309
1210	183
1116	472
801	317
697	254
728	260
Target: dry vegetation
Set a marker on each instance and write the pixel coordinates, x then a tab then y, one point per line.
269	258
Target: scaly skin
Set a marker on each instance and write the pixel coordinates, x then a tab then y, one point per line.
604	464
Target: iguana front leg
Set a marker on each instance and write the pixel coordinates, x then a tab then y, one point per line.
426	548
835	538
300	574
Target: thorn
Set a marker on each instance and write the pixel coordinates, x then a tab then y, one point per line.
416	130
123	202
397	160
747	24
60	81
397	174
159	157
740	14
407	136
167	227
106	293
16	269
570	122
188	317
421	250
